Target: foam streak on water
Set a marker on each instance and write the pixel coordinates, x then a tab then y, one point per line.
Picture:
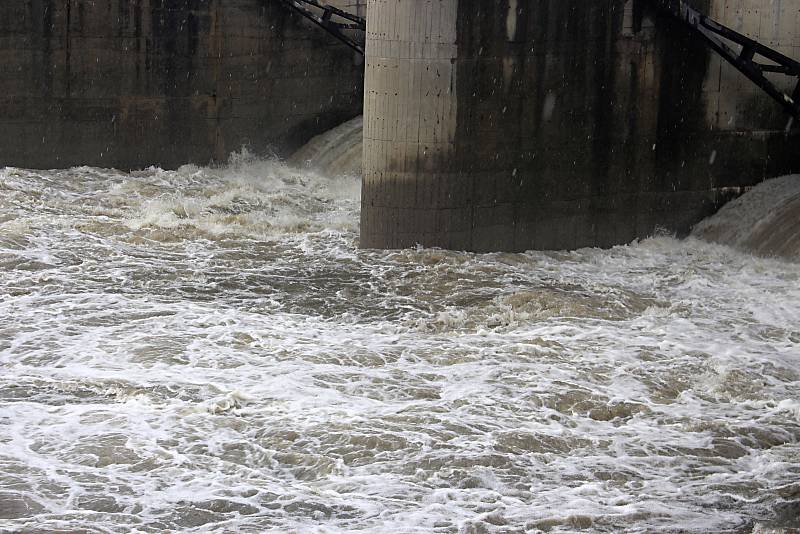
207	350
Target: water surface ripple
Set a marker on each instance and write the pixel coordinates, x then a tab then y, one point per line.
207	350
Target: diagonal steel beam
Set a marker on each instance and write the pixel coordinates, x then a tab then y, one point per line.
715	36
324	18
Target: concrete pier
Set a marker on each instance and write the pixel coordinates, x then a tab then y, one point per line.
556	124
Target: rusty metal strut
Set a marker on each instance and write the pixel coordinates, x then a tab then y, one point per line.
323	16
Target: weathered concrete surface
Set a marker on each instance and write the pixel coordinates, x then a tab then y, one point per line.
132	83
514	125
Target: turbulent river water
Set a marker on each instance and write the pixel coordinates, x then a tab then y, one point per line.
207	350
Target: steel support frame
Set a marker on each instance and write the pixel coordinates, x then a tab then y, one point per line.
325	20
713	34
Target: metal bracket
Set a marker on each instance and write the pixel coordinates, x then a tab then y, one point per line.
713	34
326	21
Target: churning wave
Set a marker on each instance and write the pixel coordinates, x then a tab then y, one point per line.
248	197
207	350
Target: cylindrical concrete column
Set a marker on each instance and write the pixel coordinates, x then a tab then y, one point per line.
410	118
551	124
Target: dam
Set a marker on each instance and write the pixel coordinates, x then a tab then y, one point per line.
487	125
228	301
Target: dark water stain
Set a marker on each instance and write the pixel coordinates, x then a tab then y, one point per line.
683	62
68	47
42	11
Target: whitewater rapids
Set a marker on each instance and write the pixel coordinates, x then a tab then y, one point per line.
207	350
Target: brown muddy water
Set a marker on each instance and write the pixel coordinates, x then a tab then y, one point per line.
207	350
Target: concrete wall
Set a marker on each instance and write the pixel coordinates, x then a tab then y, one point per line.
132	83
514	125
